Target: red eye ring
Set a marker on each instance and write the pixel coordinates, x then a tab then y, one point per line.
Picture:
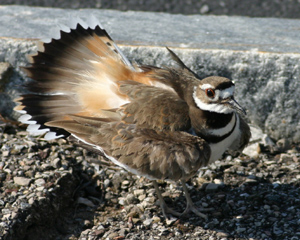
210	92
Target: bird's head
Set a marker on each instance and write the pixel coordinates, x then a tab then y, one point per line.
216	94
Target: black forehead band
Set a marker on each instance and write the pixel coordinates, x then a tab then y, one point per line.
225	85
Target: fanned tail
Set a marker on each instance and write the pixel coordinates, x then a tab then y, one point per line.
77	73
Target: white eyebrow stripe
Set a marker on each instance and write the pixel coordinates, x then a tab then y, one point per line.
206	86
226	93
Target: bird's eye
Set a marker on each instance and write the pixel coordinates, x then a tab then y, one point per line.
210	92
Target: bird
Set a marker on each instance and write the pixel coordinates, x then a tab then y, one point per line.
161	123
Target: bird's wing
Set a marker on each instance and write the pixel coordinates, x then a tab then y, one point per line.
154	108
151	153
76	74
245	136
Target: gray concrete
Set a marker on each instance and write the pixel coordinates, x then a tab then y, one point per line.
251	8
261	55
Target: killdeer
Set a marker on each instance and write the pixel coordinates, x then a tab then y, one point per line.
160	123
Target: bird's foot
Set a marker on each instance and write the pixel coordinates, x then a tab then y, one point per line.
168	212
198	211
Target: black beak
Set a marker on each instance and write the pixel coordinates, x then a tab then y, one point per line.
234	105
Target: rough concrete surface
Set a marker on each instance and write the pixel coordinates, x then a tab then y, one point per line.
252	8
253	52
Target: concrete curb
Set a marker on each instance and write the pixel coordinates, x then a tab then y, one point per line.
261	55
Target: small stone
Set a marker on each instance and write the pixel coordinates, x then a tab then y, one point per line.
257	224
164	232
135	220
133	214
240	229
222	235
46	166
40	189
123	232
251	150
204	204
2	176
113	235
204	9
5	211
142	197
138	192
277	231
24	205
130	198
156	219
22	181
245	195
13	214
250	181
170	221
56	163
31	201
40	182
5	153
29	173
267	207
147	222
3	224
150	200
212	187
125	183
283	144
218	181
87	223
121	201
106	183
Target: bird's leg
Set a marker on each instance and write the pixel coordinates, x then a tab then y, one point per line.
190	207
165	209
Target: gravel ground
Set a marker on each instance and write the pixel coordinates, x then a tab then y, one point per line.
54	190
252	8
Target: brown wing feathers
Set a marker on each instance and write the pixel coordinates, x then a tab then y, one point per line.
155	108
172	155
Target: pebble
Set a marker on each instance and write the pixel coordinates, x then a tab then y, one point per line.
113	235
212	187
130	198
150	200
56	163
170	221
138	192
156	219
5	153
106	183
39	182
147	222
142	197
240	229
22	181
123	231
204	9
